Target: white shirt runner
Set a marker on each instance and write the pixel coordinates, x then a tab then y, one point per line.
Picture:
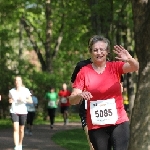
103	112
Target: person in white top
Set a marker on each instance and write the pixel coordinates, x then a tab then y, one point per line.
18	97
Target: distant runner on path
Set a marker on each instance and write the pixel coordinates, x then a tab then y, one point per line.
52	103
64	93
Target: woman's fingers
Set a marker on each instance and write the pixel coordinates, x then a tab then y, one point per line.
86	95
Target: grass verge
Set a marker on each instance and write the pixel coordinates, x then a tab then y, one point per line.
74	139
5	123
74	117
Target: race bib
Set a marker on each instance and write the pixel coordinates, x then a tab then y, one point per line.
63	100
51	103
103	112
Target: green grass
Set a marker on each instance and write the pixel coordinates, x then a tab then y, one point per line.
6	123
74	139
73	117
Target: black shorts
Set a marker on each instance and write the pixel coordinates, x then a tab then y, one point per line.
63	109
82	114
21	118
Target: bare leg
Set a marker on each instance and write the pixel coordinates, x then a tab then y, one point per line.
21	134
16	133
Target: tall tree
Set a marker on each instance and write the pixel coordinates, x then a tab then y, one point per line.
31	30
140	120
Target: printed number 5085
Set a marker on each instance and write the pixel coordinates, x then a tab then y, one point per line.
103	113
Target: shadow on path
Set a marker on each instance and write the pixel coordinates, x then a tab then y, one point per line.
40	140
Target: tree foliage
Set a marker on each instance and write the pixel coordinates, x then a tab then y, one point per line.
58	32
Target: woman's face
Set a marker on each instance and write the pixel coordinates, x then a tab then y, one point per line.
99	51
18	81
52	90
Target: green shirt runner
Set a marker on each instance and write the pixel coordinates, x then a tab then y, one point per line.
52	98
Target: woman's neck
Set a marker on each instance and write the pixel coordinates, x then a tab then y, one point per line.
99	67
18	88
99	64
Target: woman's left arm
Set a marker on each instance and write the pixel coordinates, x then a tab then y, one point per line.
131	64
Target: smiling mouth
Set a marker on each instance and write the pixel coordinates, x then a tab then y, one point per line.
99	57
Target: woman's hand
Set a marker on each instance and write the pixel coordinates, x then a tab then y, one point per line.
86	95
21	99
122	53
131	64
11	100
77	95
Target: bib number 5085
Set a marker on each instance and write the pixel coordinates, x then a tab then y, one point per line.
103	113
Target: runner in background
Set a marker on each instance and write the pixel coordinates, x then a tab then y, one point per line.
64	93
31	108
18	97
83	103
52	103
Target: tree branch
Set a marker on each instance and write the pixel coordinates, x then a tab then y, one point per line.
33	42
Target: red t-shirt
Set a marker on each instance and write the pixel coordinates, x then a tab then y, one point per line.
64	97
103	87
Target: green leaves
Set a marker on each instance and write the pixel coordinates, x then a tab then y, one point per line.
58	32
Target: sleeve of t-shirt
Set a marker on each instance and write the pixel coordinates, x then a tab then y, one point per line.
75	72
69	93
28	93
80	80
10	96
59	93
119	67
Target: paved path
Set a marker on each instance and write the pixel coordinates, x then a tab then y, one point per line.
40	140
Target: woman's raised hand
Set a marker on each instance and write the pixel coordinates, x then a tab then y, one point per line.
122	53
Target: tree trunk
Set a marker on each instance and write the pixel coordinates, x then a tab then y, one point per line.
50	53
101	23
49	25
140	120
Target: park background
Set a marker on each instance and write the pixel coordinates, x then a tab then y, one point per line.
43	40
